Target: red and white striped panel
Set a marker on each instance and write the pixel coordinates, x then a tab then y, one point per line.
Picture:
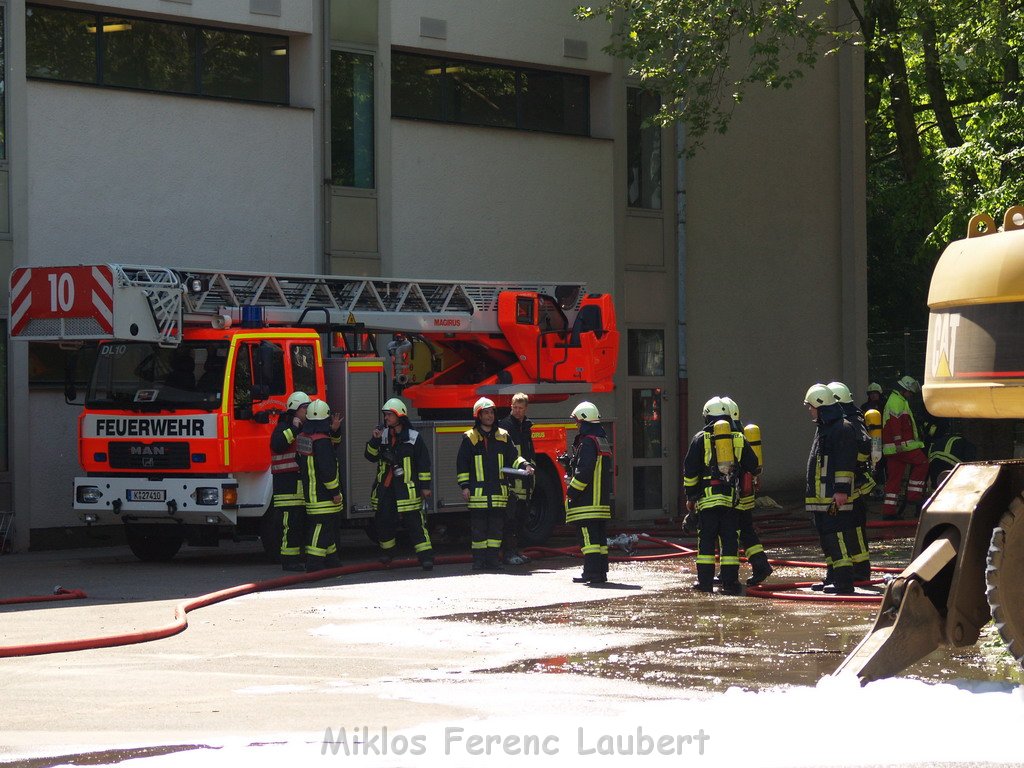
64	294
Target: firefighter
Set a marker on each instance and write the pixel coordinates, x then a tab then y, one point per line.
321	485
831	467
902	447
402	483
863	484
749	541
715	461
946	449
520	429
486	450
288	500
874	393
588	494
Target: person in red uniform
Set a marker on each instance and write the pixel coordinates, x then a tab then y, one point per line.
902	447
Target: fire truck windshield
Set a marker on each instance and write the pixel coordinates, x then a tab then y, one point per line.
144	376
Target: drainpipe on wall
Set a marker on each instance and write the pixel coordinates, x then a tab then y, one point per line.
684	385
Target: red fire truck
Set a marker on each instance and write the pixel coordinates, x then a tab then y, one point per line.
194	365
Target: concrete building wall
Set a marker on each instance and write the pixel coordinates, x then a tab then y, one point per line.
496	204
775	276
149	178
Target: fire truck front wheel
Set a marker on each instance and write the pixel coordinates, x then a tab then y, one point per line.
153	543
546	507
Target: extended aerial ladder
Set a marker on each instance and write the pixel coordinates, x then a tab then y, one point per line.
532	335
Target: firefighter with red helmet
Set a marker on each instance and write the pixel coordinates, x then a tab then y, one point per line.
402	483
288	501
321	485
588	494
485	453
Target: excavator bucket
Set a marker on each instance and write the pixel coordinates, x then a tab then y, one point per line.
939	599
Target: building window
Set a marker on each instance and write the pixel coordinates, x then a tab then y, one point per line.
647	488
127	52
647	442
472	93
352	119
643	150
646	353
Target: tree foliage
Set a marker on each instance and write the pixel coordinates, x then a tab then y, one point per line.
944	105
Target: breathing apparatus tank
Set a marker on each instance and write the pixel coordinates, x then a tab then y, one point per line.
873	422
753	434
721	436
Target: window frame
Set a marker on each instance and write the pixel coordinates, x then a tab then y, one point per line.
198	72
518	71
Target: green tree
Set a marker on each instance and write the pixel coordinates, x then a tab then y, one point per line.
944	105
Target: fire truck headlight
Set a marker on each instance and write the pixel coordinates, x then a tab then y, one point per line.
88	494
208	496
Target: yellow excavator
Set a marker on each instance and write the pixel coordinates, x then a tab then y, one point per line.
968	560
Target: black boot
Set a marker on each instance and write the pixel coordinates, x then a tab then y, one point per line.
427	560
862	571
842	582
479	560
762	569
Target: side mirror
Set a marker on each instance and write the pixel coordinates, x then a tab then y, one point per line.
259	392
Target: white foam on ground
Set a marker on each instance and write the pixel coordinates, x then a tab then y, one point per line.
837	722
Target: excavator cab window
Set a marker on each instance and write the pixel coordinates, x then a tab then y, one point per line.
550	316
525	310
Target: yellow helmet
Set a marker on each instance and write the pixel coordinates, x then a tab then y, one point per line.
296	400
395	406
318	409
481	404
819	395
586	411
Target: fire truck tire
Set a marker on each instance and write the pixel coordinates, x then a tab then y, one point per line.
271	533
153	543
1004	578
547	508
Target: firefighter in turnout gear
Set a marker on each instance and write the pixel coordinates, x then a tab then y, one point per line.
831	468
946	449
903	447
588	493
284	469
749	541
863	484
321	485
486	450
520	429
715	462
403	481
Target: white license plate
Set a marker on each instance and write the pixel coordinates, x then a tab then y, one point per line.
146	495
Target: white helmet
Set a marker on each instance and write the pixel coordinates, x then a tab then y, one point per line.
909	383
296	400
586	411
874	386
481	404
732	407
819	395
395	406
841	391
715	407
318	409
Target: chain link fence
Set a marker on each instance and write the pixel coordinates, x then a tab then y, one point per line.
891	355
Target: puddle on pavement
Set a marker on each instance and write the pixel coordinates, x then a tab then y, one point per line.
712	642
